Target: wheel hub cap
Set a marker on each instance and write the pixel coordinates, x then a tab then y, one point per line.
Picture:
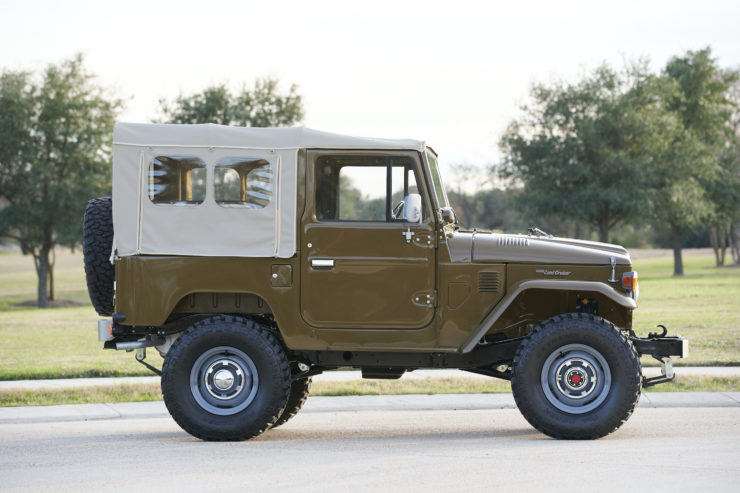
224	381
223	378
576	378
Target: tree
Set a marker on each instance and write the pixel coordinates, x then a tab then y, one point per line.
55	145
468	207
262	106
724	189
733	169
696	91
581	150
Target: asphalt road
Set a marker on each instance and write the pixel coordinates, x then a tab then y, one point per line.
337	449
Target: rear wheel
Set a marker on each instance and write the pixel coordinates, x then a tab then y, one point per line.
226	379
576	376
299	390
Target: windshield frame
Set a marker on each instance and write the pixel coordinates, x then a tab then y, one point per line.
438	188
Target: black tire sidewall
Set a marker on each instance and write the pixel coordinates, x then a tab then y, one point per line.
272	392
97	243
623	365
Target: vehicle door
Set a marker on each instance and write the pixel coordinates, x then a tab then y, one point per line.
364	262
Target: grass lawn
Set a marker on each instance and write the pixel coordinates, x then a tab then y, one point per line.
56	342
704	306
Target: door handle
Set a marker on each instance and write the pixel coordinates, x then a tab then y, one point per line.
322	263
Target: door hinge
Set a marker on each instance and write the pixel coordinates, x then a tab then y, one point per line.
425	240
426	298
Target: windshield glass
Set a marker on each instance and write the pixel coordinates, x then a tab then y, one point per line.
439	189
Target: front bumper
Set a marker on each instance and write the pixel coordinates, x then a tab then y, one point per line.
661	347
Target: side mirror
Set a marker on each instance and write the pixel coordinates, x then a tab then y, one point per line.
412	208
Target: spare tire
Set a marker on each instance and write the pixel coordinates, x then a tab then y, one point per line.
97	242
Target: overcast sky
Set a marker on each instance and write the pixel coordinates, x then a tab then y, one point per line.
452	73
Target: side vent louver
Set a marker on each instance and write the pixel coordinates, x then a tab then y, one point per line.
488	282
512	241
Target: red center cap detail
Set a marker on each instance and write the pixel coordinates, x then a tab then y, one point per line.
575	378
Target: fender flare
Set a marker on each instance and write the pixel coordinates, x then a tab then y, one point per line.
551	284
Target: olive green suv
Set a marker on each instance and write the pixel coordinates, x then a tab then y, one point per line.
252	259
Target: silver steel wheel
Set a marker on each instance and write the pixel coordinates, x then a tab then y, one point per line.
576	378
224	380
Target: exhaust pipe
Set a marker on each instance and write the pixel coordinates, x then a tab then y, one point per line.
150	341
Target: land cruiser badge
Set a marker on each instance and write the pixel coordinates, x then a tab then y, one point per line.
546	272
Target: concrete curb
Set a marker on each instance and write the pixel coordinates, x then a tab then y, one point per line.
321	404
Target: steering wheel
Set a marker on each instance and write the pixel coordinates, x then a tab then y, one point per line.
398	210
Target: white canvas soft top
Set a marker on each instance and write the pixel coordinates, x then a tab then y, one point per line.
208	228
211	135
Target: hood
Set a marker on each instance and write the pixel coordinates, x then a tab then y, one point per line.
479	246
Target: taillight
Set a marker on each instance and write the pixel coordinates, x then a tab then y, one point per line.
630	285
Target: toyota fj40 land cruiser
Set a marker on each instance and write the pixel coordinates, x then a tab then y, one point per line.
250	260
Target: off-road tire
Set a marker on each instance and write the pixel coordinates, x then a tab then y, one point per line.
184	380
544	343
97	242
299	390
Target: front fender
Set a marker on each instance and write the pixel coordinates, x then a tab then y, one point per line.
549	284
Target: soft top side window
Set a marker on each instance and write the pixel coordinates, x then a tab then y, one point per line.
242	182
177	180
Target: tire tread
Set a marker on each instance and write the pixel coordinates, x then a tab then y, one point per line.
299	391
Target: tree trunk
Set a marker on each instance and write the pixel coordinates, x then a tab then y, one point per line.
604	231
734	244
42	270
51	274
718	239
715	244
677	245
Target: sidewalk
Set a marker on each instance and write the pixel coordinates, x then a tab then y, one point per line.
333	376
321	404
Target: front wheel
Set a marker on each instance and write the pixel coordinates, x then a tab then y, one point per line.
576	376
226	378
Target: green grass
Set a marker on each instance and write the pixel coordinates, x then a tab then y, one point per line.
81	395
60	343
18	278
455	385
704	305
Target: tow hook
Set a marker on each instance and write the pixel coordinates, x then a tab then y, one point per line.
655	335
